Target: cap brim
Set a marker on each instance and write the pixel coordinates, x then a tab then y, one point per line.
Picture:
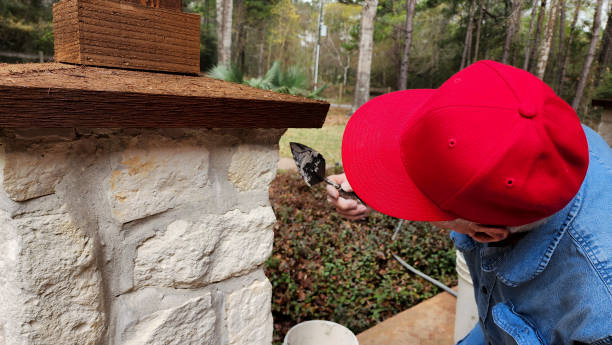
372	160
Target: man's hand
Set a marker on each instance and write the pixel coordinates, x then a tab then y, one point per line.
479	232
348	208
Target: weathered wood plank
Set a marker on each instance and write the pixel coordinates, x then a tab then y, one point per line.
158	20
169	4
122	34
606	103
59	95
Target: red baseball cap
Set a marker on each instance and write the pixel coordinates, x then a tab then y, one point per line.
494	145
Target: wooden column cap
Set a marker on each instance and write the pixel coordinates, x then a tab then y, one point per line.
60	95
606	103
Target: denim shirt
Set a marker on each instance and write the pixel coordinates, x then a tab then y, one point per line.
554	285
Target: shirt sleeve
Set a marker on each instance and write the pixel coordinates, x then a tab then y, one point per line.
475	337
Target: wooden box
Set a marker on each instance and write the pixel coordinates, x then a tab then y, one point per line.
126	35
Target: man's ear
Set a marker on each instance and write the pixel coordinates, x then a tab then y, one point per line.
490	234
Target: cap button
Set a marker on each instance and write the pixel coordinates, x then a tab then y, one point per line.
527	111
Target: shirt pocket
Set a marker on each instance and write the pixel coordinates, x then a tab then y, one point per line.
515	325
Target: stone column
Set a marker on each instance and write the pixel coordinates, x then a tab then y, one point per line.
605	126
136	236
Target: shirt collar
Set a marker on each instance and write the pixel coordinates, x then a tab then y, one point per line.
527	258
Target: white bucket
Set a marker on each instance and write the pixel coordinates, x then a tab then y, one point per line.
320	332
466	312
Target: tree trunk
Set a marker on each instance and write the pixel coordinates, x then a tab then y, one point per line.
517	31
561	44
515	25
551	67
403	83
467	45
603	59
478	25
566	52
536	38
239	34
589	58
398	40
514	17
362	87
261	51
529	38
548	37
244	34
224	31
346	69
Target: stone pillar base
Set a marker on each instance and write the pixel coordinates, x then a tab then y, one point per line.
136	236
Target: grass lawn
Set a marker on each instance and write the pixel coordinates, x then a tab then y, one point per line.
326	140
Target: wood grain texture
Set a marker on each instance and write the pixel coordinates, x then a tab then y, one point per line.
169	4
56	95
606	103
121	34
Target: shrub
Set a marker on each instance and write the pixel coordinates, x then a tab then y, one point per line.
604	90
292	81
326	267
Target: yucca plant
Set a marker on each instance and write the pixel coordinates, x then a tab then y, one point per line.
227	73
293	81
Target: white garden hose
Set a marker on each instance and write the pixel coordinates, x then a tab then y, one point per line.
414	270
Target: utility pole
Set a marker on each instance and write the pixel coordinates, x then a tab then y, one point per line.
316	76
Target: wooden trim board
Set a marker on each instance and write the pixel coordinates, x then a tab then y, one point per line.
168	4
606	103
55	95
124	35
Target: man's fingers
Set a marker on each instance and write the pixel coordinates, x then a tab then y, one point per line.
357	214
332	193
347	204
339	179
347	208
358	211
346	186
492	234
357	217
351	208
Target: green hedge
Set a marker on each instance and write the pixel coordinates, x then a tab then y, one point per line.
326	267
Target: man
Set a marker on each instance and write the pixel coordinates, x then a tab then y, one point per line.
496	156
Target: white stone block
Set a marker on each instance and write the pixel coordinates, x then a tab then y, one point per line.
35	171
155	174
253	167
180	256
246	243
249	315
192	323
50	291
209	250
